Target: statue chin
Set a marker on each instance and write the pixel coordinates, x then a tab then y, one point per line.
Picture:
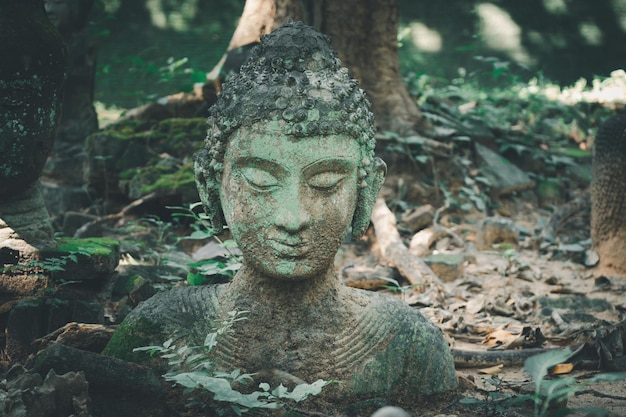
289	269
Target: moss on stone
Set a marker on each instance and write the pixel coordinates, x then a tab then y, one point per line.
125	284
181	180
128	336
94	246
146	157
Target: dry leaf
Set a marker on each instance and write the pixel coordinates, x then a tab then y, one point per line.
562	368
499	337
491	370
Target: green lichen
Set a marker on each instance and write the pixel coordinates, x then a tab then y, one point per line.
146	157
128	336
95	246
124	285
168	180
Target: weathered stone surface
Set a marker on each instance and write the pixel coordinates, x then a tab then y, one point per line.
83	336
33	318
418	218
26	394
117	388
134	158
24	223
447	266
61	198
505	177
96	258
289	165
608	197
496	230
78	120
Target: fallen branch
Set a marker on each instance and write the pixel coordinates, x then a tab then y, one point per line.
397	255
92	228
601	394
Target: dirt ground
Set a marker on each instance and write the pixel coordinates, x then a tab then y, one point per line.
531	294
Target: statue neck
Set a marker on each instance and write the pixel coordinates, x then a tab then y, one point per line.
255	287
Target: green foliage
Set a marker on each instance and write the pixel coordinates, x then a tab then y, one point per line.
396	287
207	270
551	391
546	128
193	369
495	402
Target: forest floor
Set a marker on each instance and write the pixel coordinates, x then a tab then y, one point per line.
520	285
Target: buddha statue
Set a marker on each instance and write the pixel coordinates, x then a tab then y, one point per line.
289	166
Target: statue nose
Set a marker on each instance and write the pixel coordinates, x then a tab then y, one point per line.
292	216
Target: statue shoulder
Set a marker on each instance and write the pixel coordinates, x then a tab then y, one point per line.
411	341
178	305
176	313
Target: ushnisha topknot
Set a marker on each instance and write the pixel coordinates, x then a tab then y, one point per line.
293	75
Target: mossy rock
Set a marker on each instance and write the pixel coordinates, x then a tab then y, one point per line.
135	158
81	259
167	177
141	333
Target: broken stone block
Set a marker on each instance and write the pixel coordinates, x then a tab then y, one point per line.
418	218
447	266
496	230
117	388
83	259
505	178
27	394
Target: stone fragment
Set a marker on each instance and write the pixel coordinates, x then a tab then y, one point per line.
447	266
505	177
390	411
32	318
96	258
369	278
496	230
141	290
117	388
84	336
418	218
27	394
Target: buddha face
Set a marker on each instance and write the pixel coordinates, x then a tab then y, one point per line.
289	202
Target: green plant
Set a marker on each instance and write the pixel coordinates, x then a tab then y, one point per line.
207	270
193	369
550	391
495	402
155	236
396	287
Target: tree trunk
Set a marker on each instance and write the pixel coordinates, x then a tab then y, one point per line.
364	33
32	72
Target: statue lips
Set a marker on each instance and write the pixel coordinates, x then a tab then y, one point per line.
289	248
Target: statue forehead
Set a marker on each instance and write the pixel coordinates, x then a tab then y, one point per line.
268	141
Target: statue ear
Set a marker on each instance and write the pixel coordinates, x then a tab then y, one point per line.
367	198
209	191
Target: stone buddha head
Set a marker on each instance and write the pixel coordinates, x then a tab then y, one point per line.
289	159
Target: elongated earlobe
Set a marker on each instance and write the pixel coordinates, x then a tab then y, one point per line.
208	190
367	198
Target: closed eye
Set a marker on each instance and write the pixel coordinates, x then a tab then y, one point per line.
325	180
259	178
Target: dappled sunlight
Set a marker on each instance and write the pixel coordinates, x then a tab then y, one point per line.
424	38
500	32
555	6
611	90
591	33
178	19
